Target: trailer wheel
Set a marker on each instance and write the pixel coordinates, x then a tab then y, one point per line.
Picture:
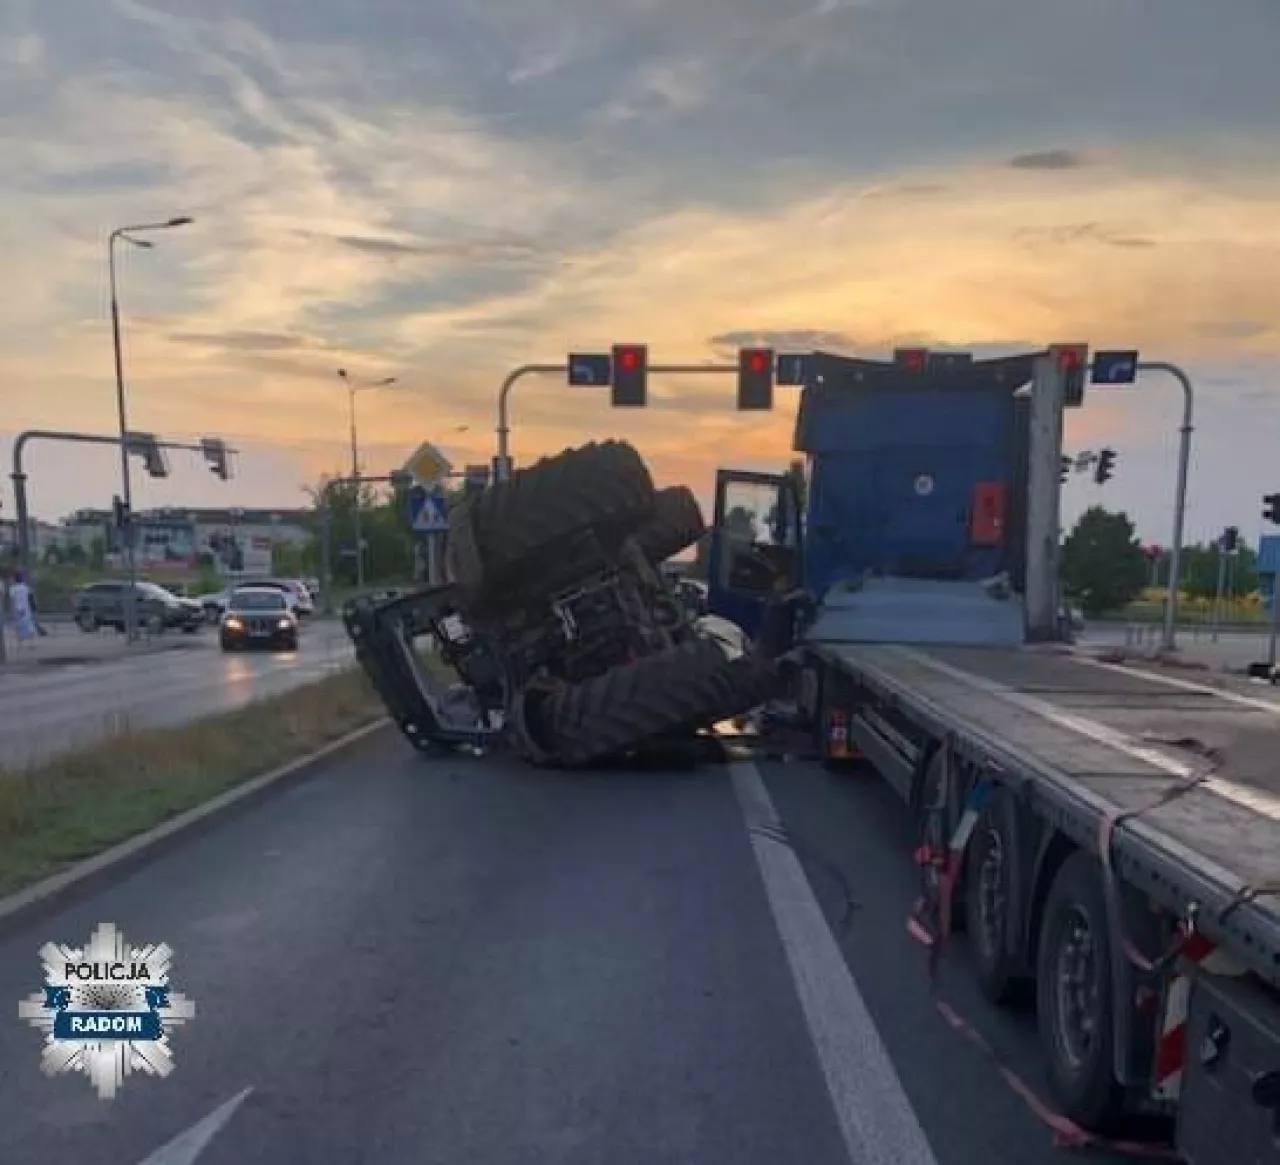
677	522
990	903
693	685
493	537
1073	996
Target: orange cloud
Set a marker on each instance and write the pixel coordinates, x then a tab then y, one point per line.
1180	265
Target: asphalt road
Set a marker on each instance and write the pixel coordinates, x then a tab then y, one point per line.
406	962
57	706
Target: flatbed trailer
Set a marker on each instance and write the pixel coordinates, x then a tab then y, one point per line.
1072	809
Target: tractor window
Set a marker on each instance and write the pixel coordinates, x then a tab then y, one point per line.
759	543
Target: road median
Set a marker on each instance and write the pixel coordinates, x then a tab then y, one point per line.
68	821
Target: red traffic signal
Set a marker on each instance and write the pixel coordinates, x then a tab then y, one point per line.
1072	360
630	358
630	375
912	359
1070	356
755	379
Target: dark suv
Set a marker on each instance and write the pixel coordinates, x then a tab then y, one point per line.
102	604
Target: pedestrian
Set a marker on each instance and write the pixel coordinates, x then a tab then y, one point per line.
22	609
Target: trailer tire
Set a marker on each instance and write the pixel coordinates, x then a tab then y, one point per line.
677	523
1083	1077
496	535
991	902
609	715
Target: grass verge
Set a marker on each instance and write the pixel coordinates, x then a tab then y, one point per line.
76	805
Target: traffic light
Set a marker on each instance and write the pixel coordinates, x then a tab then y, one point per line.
146	446
912	359
217	455
1231	539
1073	362
1105	467
1067	464
1272	511
755	379
630	376
119	512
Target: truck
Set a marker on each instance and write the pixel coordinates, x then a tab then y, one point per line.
1106	838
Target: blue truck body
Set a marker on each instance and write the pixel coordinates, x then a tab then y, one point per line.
898	465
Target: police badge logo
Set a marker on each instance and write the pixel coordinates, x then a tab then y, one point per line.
106	1010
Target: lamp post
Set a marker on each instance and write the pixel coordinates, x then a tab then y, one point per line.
353	387
127	234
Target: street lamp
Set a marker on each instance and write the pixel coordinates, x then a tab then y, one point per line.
354	387
127	234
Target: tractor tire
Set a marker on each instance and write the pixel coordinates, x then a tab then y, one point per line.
692	686
677	523
496	535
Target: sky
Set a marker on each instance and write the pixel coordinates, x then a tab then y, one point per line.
442	192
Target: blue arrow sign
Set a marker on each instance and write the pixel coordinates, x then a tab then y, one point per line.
590	368
428	511
1115	367
790	368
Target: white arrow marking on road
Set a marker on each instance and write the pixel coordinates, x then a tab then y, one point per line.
187	1146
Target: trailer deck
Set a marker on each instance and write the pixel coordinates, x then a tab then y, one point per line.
1197	768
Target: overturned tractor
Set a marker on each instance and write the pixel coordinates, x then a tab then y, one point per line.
568	645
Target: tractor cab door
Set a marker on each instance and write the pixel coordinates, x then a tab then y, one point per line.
756	544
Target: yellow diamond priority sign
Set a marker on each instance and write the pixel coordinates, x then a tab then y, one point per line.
428	465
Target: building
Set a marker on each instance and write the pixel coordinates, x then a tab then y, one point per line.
181	541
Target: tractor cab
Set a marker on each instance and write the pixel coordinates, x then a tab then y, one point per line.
757	544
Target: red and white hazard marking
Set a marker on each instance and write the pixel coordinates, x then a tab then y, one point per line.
1171	1050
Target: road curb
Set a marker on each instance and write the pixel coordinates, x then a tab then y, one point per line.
60	889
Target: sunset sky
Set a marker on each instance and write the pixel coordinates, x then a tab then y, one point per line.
441	191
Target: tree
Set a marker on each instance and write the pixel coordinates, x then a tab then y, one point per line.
384	528
1102	563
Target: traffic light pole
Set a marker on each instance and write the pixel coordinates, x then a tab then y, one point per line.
503	462
1169	639
1222	586
19	476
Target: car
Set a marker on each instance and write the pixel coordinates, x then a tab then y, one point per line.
102	604
214	604
296	591
258	616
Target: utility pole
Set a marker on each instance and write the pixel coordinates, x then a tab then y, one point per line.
354	387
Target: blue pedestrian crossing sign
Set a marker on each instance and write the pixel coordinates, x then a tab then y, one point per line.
428	510
1115	367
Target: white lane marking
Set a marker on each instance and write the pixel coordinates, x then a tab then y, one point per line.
187	1146
1190	686
1259	800
876	1119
